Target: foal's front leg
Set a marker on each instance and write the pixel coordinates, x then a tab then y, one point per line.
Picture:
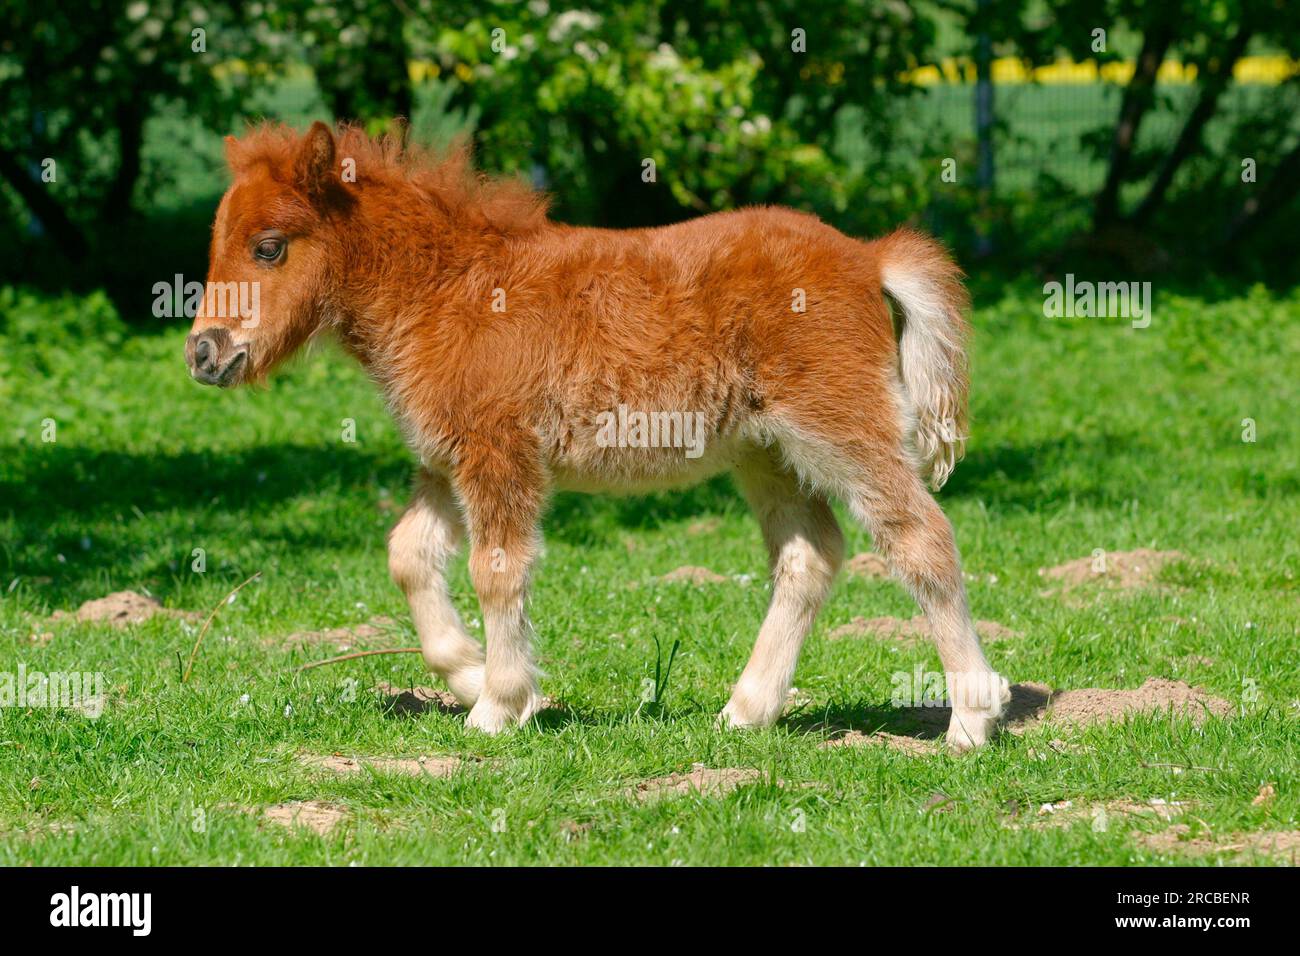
501	487
419	548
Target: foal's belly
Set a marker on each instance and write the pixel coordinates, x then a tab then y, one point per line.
637	470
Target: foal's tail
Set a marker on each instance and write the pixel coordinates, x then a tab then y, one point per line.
919	275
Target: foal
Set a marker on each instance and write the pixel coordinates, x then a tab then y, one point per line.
519	355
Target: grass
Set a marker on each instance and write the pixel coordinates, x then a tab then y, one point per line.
1088	434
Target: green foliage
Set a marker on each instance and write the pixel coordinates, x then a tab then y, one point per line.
653	111
357	52
729	103
79	81
52	336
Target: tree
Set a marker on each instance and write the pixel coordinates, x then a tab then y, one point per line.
1207	39
77	85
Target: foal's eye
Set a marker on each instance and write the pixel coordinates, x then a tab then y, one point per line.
269	249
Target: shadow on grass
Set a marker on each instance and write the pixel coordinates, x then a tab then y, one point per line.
415	702
1028	702
1013	475
52	497
75	516
1005	474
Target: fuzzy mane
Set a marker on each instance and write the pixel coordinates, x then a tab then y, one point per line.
448	178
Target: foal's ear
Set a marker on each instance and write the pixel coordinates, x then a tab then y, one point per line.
314	166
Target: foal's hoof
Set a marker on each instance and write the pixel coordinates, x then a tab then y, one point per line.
971	728
970	731
738	716
492	717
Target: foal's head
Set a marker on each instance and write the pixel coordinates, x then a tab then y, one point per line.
269	268
312	230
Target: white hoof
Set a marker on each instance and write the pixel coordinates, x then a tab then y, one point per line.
742	714
493	717
973	727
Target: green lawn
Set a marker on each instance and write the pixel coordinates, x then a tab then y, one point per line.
1088	434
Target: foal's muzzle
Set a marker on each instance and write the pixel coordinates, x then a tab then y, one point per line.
215	359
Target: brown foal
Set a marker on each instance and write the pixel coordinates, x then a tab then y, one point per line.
520	355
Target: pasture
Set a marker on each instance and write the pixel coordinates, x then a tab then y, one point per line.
1087	434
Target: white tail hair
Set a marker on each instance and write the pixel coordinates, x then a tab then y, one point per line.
919	275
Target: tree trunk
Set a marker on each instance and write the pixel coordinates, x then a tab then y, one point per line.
1189	139
984	119
1281	188
1138	96
42	204
130	136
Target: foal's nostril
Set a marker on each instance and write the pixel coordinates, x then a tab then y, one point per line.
203	355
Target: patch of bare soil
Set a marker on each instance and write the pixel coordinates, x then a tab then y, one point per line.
411	766
573	831
692	575
1115	569
312	814
867	565
1103	815
939	802
700	779
343	638
35	831
991	631
1281	845
914	629
1156	695
119	609
1033	704
912	746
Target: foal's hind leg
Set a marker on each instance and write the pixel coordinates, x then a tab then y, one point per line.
805	548
878	482
917	540
500	482
419	548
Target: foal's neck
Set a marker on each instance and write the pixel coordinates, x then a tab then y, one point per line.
399	252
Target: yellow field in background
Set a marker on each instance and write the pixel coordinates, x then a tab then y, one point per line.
1269	70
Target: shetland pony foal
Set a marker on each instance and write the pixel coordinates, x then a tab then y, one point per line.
505	344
